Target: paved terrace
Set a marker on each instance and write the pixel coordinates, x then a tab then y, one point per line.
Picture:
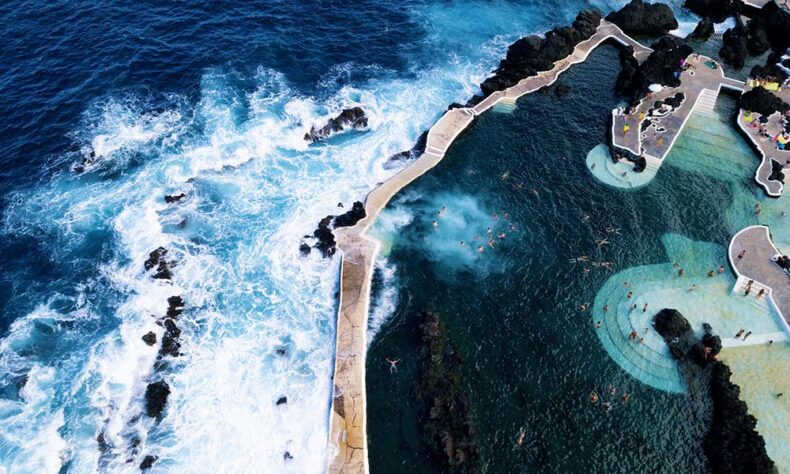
700	85
757	265
767	148
348	429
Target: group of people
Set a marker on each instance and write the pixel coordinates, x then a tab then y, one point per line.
490	235
607	405
780	139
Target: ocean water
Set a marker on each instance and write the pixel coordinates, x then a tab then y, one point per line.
531	358
212	100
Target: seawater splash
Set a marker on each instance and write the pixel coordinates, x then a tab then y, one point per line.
253	188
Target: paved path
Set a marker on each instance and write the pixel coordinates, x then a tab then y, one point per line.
756	265
348	429
700	85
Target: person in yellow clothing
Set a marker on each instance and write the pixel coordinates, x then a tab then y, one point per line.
625	129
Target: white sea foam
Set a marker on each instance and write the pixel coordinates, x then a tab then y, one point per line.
386	301
254	188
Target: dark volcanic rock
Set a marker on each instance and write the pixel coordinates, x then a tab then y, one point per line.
776	22
156	398
776	172
349	118
326	243
640	18
175	306
756	37
715	10
703	31
148	462
732	445
157	260
282	401
530	54
446	408
149	338
661	67
763	102
351	217
305	249
171	198
735	49
770	72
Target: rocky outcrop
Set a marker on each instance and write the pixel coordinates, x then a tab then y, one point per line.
415	151
661	67
763	102
171	198
732	445
777	173
156	398
735	50
149	338
714	10
640	18
148	462
703	30
531	54
776	22
157	261
354	118
769	72
323	236
446	408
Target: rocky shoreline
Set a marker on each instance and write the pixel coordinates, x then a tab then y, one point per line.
732	444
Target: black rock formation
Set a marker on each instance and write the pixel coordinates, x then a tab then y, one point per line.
349	118
157	260
175	306
735	49
156	398
148	462
714	10
661	67
763	102
531	54
149	338
769	72
776	172
282	401
703	31
757	37
170	344
446	408
732	445
171	198
640	18
776	22
325	239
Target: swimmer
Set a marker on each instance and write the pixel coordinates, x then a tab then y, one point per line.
594	397
585	218
480	249
502	235
597	324
494	216
613	390
605	308
521	435
488	231
601	242
393	365
721	268
462	243
435	224
693	287
626	397
491	243
644	308
583	307
711	273
629	295
586	269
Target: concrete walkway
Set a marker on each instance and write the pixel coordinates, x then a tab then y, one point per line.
756	265
768	151
347	426
700	86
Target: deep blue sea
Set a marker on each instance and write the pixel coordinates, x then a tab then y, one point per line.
210	99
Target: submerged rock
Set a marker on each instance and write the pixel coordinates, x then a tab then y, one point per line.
447	410
640	18
349	118
156	398
732	445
